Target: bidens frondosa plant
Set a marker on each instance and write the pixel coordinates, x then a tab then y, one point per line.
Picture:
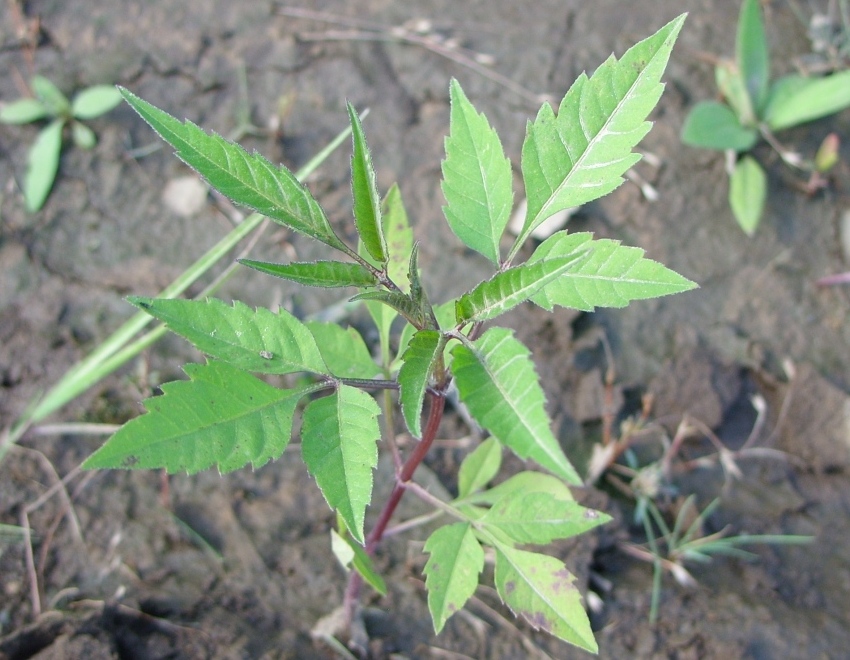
226	417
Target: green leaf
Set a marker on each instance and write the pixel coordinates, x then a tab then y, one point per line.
540	589
751	53
419	358
538	518
399	237
451	574
477	179
731	83
95	101
83	136
611	275
399	302
221	416
22	111
796	100
339	436
247	179
343	350
521	484
326	274
747	193
582	154
350	553
253	340
367	201
496	380
509	288
42	165
713	125
54	101
479	467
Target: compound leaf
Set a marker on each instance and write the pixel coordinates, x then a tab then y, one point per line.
247	179
222	416
479	467
751	53
582	154
795	100
611	275
253	340
509	288
95	101
42	165
714	125
540	589
326	274
339	436
496	380
747	193
364	188
477	179
451	574
343	350
539	518
417	364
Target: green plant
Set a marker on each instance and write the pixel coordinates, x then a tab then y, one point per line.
52	105
753	106
226	417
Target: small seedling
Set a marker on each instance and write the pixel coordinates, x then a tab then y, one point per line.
53	106
755	107
224	416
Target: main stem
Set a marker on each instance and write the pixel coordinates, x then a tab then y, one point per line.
435	415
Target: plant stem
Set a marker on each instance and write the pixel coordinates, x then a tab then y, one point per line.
435	416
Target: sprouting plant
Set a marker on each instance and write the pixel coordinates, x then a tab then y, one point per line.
52	105
686	541
226	417
755	106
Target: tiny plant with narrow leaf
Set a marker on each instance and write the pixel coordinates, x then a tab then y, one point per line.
51	105
754	107
225	417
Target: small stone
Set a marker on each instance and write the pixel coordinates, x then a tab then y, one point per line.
185	195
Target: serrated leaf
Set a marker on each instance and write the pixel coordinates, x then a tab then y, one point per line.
523	483
795	100
398	301
479	467
253	340
509	288
540	589
611	275
54	100
343	350
496	380
95	101
477	179
222	416
747	193
751	53
22	111
42	165
364	188
350	554
714	125
247	179
451	574
582	154
418	363
326	274
339	435
539	518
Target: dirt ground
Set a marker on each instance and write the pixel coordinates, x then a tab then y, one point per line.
131	566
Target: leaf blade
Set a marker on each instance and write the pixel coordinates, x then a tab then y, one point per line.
42	165
479	467
95	101
747	193
795	100
343	350
477	179
751	53
714	125
418	362
364	189
325	274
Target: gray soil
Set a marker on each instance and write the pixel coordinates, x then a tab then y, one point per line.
130	565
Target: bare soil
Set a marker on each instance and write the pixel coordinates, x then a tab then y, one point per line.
129	565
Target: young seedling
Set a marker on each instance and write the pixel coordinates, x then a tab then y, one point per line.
755	107
51	105
224	416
